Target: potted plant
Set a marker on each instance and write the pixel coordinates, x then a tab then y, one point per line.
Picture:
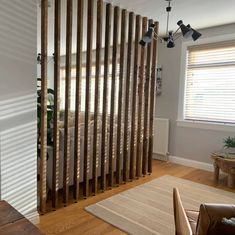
50	116
50	112
229	144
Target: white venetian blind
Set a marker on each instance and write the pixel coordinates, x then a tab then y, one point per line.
210	83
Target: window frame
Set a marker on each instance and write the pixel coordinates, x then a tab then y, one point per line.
182	88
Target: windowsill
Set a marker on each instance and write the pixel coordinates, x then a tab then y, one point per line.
206	125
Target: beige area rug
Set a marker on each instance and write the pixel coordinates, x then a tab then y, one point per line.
148	209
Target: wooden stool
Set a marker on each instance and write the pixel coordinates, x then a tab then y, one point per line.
226	165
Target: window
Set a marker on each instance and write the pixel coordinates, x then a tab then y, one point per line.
83	88
210	83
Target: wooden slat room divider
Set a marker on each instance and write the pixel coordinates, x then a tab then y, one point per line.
96	142
146	106
112	130
134	100
119	149
105	96
77	138
127	99
67	150
43	128
139	159
152	100
56	154
90	12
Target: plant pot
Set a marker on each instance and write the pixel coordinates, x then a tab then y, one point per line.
230	150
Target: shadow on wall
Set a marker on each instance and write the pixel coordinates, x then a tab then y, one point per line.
13	107
18	144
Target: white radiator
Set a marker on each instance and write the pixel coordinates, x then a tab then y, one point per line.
161	138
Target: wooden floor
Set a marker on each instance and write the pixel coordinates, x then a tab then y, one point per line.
74	220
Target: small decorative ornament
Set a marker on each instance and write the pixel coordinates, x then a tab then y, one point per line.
159	82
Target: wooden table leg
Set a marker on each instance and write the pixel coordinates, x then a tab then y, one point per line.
216	173
231	180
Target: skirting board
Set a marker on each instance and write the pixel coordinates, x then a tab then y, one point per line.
191	163
33	217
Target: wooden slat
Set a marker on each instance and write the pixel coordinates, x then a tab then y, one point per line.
43	128
152	99
134	99
112	129
67	102
77	150
119	148
105	98
127	99
140	104
96	138
146	107
87	99
56	154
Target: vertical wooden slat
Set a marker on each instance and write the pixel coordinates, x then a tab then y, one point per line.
77	150
127	99
140	104
87	99
134	99
146	106
97	110
112	129
152	100
105	98
56	154
67	101
120	98
43	130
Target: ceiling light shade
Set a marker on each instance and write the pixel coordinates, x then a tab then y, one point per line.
147	38
195	34
170	44
142	42
186	32
170	41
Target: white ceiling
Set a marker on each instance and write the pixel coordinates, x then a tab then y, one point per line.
198	13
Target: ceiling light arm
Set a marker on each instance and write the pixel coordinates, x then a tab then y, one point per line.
176	32
157	37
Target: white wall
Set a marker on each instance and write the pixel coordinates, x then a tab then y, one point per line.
186	142
18	121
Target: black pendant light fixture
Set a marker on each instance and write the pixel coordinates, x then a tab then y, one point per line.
171	37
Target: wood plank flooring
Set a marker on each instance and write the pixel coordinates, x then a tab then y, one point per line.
74	220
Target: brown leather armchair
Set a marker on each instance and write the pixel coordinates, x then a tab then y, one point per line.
211	219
